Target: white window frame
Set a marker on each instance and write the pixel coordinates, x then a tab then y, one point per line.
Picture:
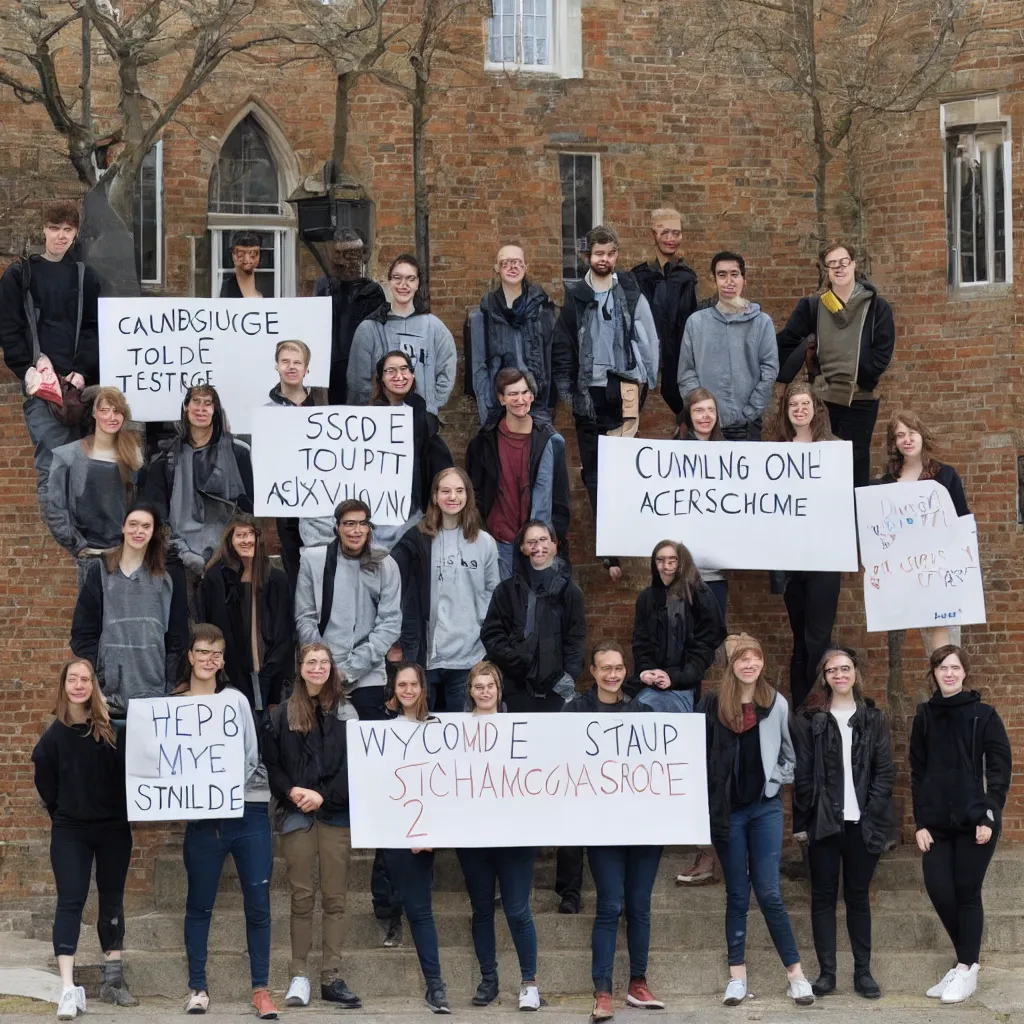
158	184
565	42
284	248
598	198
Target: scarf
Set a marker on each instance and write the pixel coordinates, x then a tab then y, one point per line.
839	340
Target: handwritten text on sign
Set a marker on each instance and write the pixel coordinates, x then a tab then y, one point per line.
734	504
155	349
305	460
921	566
185	758
528	780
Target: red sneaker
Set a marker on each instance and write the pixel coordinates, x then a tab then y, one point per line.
264	1005
602	1007
640	995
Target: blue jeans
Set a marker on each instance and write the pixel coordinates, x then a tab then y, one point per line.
453	682
46	434
753	855
670	701
412	875
720	588
624	877
506	552
207	844
512	867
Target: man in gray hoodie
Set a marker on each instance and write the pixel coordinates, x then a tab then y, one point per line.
349	596
728	349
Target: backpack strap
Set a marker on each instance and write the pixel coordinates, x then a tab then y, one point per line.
81	300
30	308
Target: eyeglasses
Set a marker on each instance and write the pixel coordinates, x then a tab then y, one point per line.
202	654
839	264
353	524
397	371
840	670
511	264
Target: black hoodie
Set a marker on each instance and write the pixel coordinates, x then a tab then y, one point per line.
960	763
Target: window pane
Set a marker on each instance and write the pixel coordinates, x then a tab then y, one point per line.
951	209
999	215
245	178
577	174
265	273
967	223
147	213
980	225
502	32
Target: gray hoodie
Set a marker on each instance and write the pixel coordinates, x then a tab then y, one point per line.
422	337
86	500
735	357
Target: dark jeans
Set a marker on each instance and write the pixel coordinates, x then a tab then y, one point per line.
720	588
413	875
856	424
46	434
386	904
811	601
512	868
624	877
291	549
954	872
452	683
206	847
72	851
367	701
752	855
743	431
847	851
607	417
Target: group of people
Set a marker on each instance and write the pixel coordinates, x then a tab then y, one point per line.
470	606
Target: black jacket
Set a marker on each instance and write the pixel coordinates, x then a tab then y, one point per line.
432	452
351	303
230	289
588	703
819	784
960	763
535	637
52	297
220	603
317	761
950	479
678	636
412	556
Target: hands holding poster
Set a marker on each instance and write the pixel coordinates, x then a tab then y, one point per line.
528	780
734	504
921	566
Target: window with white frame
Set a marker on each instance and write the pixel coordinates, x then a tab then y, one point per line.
538	36
581	207
149	217
978	182
277	255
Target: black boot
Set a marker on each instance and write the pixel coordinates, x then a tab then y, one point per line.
336	991
112	984
865	984
486	991
826	982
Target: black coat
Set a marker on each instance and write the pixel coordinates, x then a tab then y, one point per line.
950	479
317	761
351	303
220	603
819	784
432	453
960	763
588	703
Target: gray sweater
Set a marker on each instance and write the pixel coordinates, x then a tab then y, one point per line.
85	500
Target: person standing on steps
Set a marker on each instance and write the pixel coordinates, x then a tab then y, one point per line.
79	775
961	765
245	256
842	790
305	751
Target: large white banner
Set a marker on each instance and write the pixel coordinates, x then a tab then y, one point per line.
306	460
734	504
528	780
921	566
184	759
155	349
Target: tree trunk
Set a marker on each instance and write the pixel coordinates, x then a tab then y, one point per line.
341	95
821	150
421	194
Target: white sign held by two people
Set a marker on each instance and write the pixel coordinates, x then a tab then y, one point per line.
307	459
921	567
185	758
528	780
155	349
734	504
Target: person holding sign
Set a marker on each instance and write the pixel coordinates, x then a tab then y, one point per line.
960	770
407	326
750	758
79	774
131	616
208	841
812	598
842	789
305	751
449	568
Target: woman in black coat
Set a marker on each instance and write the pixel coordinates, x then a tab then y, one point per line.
841	797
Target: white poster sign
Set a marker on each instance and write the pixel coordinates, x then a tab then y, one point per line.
528	780
184	759
921	566
734	504
306	460
155	349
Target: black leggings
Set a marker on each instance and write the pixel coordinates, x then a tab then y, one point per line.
72	850
811	601
954	872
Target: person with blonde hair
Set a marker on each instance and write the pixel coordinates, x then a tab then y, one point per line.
79	775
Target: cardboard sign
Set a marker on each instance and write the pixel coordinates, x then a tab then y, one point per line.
528	780
185	758
155	349
734	504
306	460
921	566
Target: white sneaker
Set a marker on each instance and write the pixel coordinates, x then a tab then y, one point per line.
529	998
298	992
962	986
935	992
197	1002
80	998
735	992
800	992
67	1008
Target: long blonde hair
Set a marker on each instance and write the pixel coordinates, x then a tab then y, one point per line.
127	448
98	717
730	704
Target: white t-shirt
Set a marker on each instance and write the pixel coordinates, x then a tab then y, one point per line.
851	809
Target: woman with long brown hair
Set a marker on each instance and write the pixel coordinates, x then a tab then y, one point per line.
79	774
305	752
749	759
449	567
